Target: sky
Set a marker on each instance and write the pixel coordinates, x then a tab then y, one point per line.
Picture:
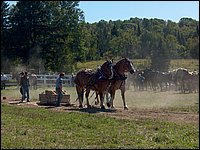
94	11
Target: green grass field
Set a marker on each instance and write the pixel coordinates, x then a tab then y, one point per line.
46	128
43	129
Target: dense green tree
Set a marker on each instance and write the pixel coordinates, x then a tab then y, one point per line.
138	29
27	22
4	35
103	37
197	30
53	35
126	44
193	46
4	15
114	31
146	40
51	25
146	24
160	58
172	45
64	39
170	28
183	52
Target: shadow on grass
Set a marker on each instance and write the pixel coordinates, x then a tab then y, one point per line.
73	107
16	102
183	93
92	110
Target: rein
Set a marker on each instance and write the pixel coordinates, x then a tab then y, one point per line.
102	74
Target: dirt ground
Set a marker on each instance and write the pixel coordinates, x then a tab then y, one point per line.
132	113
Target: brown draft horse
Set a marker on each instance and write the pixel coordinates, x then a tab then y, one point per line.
97	81
118	81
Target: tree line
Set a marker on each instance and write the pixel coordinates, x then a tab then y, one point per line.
53	36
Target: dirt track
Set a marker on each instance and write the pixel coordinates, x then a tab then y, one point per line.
131	113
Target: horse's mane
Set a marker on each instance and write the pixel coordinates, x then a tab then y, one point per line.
122	59
89	70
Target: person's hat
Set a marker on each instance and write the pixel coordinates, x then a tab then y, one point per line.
62	74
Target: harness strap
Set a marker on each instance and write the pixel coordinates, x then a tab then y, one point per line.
118	76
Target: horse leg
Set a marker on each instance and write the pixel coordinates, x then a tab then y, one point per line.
182	87
128	85
112	95
101	100
145	85
4	85
80	96
123	98
142	86
97	102
87	95
161	89
34	86
81	99
154	86
107	99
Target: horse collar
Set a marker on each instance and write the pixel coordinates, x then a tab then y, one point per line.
100	74
118	76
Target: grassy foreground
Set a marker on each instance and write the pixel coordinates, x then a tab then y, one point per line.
23	127
44	128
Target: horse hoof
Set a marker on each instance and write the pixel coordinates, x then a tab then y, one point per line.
80	106
96	103
108	104
102	107
125	108
89	106
112	107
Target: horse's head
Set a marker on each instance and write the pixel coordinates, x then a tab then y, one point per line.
126	65
107	69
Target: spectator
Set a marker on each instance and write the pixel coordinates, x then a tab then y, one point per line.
24	83
21	75
4	79
59	83
72	80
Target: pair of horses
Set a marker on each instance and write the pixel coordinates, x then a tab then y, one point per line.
108	78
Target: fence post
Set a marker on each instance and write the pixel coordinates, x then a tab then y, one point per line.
45	82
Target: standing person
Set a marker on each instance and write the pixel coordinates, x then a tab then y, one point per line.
20	82
72	80
59	82
24	82
4	79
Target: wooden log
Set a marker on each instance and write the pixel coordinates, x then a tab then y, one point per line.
42	97
48	92
66	99
49	98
